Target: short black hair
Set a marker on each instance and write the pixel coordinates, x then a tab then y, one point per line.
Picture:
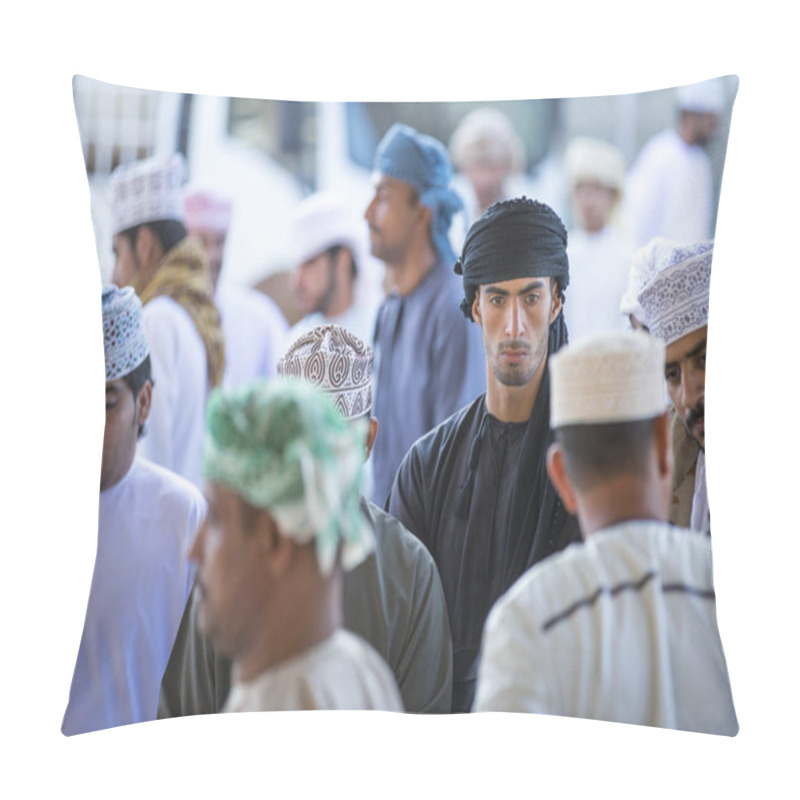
593	453
168	232
137	378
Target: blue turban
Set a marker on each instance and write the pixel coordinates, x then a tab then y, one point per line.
422	162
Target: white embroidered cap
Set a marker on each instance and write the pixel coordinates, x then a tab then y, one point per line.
124	339
645	262
147	191
206	210
336	360
607	377
675	297
322	221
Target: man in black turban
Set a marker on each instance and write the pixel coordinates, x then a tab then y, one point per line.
475	489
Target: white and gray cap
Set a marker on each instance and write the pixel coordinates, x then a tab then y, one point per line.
124	341
336	360
674	299
607	377
146	191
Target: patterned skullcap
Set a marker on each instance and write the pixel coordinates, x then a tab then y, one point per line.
206	210
607	377
645	263
283	446
675	298
423	162
147	191
124	340
594	160
337	361
517	238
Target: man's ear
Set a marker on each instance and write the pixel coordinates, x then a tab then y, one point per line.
663	442
372	433
476	309
143	404
278	549
558	477
148	248
555	305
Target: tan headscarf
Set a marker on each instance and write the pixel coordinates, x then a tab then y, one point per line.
184	275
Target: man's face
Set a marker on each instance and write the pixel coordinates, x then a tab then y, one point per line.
703	127
594	204
685	372
126	260
515	316
124	415
314	284
231	573
394	215
214	244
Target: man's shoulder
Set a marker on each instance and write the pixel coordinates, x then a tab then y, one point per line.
165	486
449	433
394	543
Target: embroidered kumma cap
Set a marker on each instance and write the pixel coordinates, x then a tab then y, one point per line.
147	191
607	377
124	341
337	361
675	298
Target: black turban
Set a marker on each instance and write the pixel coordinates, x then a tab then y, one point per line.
517	238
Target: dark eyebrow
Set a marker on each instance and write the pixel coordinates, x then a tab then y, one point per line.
112	390
691	354
537	284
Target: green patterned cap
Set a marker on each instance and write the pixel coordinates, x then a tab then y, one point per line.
283	446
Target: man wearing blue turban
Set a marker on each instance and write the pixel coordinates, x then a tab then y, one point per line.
429	360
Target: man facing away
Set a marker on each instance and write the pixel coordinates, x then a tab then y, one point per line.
284	473
253	326
330	284
623	627
475	489
674	302
148	517
427	360
393	599
170	273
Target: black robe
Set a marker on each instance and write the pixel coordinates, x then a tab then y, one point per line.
476	493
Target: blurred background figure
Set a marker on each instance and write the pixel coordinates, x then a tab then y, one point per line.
253	325
334	279
169	271
428	356
599	249
489	157
670	186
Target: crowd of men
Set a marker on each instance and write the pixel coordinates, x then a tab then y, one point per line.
442	504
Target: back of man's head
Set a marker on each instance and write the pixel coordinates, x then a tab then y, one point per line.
607	402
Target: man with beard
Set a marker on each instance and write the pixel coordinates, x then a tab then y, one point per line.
427	359
675	306
670	186
475	489
169	271
331	270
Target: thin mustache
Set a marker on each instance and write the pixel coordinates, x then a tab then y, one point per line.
514	344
